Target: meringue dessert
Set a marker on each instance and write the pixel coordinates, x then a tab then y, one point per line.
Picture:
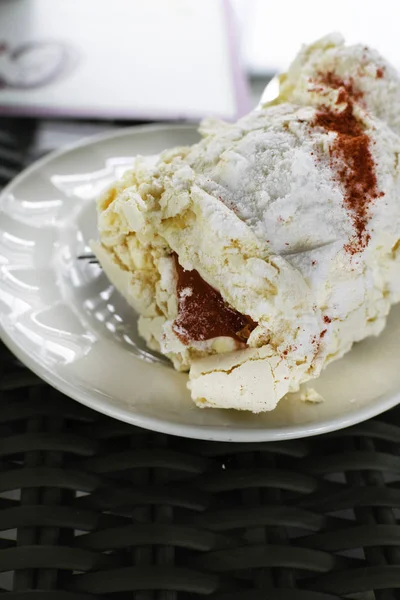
259	255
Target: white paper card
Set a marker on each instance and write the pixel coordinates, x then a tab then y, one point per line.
119	59
274	31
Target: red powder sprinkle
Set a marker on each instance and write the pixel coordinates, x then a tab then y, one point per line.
351	158
327	319
342	97
380	73
318	342
348	86
203	314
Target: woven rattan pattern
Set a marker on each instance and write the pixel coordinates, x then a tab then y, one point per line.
94	508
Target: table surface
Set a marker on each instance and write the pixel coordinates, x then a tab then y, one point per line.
93	508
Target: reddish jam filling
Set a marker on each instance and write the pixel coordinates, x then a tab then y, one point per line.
202	312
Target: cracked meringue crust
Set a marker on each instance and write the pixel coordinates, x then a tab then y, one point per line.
257	211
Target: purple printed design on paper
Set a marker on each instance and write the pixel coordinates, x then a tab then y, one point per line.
35	64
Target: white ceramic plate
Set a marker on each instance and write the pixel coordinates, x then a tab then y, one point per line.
64	320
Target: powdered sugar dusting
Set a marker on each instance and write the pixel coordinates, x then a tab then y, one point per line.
185	292
265	170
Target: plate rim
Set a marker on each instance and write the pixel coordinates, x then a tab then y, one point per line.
204	432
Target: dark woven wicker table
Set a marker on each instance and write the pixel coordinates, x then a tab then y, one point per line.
91	508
